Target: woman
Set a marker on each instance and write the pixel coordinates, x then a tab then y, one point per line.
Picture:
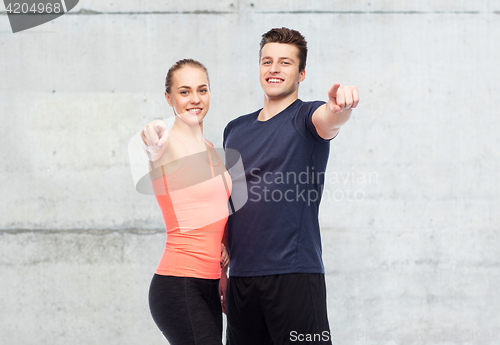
192	188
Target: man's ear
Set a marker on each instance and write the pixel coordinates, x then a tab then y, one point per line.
167	96
302	75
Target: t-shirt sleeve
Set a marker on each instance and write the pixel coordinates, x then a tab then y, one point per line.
224	136
304	122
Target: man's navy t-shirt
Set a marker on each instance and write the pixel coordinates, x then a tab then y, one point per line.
277	230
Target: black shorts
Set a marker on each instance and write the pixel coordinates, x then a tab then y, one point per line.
187	310
277	309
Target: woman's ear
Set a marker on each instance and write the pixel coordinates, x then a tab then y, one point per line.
167	96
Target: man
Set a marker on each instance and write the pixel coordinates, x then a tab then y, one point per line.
276	292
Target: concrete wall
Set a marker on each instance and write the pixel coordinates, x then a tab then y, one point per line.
410	214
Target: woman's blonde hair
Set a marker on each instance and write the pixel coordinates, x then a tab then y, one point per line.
178	65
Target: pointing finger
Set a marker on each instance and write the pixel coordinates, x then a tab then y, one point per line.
332	93
151	135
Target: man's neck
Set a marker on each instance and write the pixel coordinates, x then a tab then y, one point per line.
273	107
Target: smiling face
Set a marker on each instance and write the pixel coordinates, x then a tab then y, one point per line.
189	94
279	70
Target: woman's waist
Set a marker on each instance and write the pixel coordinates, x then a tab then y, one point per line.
185	261
194	229
204	242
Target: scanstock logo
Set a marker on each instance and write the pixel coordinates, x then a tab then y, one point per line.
26	14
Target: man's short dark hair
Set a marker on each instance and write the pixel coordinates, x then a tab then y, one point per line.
287	36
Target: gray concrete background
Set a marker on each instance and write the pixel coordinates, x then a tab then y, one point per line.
410	215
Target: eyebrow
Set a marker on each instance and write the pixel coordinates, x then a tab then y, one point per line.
280	58
188	87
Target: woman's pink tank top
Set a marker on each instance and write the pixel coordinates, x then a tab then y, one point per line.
194	203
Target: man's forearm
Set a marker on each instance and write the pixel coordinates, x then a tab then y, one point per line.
336	120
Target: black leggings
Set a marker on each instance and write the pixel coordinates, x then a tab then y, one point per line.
187	310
